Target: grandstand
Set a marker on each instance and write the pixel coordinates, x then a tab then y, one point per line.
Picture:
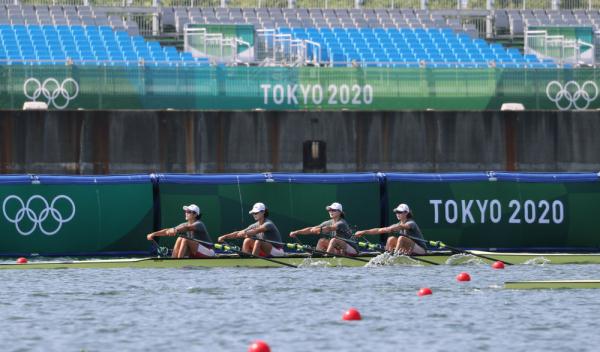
87	35
431	45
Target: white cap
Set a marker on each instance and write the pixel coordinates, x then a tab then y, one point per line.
402	208
257	208
193	208
335	206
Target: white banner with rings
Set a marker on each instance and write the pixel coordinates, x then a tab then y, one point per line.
49	220
51	90
572	95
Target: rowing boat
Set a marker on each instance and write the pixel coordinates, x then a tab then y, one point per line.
551	284
303	260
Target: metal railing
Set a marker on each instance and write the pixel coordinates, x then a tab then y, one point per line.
272	48
334	4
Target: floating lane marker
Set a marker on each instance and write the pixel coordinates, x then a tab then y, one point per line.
259	346
463	277
425	291
352	314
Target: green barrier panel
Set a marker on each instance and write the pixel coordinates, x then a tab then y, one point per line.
294	201
478	211
307	88
76	215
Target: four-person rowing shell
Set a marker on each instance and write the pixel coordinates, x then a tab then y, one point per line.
263	238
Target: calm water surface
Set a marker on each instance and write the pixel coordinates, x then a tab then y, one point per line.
296	309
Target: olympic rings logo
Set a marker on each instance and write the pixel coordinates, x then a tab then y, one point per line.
51	90
572	94
38	220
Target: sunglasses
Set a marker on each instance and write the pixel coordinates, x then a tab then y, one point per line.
189	212
401	212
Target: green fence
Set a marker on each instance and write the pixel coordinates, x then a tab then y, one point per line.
309	88
294	201
502	211
54	215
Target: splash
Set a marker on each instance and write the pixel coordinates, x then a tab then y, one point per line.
388	259
317	263
464	259
537	261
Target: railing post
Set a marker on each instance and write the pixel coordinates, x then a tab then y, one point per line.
423	4
489	27
291	4
155	17
357	4
223	3
555	4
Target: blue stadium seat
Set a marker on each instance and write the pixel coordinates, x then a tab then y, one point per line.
89	45
439	47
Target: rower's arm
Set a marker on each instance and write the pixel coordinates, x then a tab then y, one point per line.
378	230
329	228
304	231
160	233
254	231
184	228
231	235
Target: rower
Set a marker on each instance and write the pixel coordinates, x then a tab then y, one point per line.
336	229
193	228
406	227
262	229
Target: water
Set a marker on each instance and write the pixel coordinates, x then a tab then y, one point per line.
296	309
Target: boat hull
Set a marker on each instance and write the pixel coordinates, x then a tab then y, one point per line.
305	261
554	284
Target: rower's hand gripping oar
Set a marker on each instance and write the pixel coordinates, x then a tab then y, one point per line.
307	248
237	250
379	248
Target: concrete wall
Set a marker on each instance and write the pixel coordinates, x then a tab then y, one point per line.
99	142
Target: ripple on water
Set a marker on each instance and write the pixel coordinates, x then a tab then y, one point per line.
205	290
108	293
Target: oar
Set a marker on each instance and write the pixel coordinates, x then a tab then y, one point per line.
238	251
307	248
442	245
380	249
160	251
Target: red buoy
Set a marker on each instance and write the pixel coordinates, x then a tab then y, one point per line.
424	291
22	260
259	346
498	265
352	314
463	277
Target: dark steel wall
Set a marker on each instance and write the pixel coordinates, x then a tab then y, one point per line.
100	142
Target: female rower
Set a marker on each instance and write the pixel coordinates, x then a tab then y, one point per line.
406	227
262	229
336	228
194	229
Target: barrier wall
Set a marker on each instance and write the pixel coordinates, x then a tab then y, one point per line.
63	215
503	210
294	200
111	215
306	88
136	142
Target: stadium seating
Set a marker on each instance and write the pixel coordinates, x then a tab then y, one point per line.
84	45
406	47
371	37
